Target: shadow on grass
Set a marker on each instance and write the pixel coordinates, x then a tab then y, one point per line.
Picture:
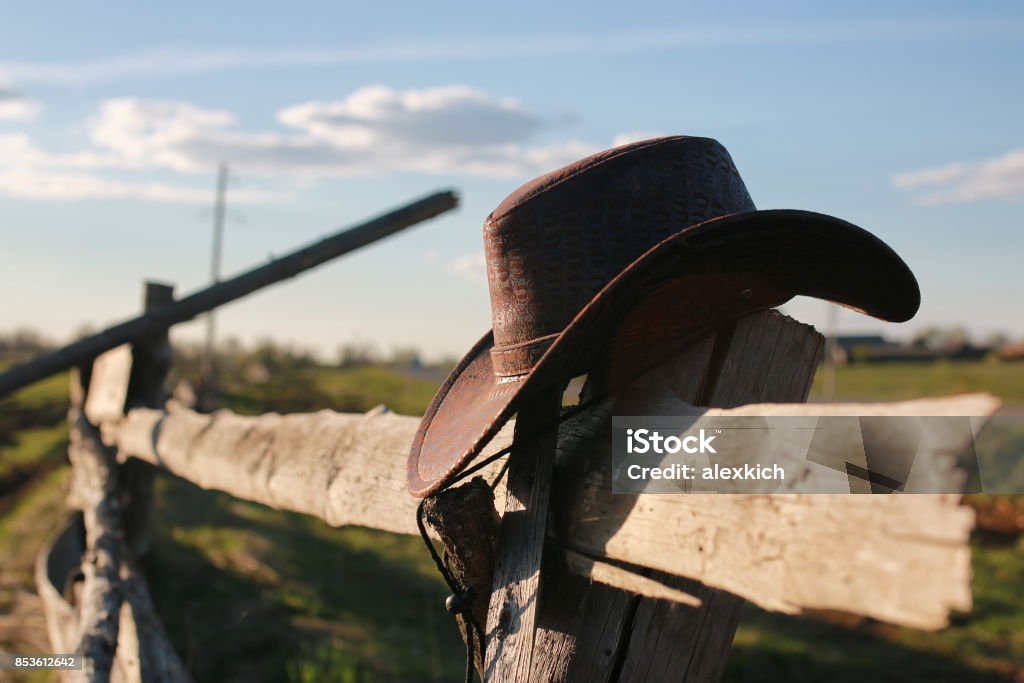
253	594
773	647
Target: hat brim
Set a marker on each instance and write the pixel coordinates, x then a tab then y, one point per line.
680	290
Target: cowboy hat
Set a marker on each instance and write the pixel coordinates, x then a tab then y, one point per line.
623	258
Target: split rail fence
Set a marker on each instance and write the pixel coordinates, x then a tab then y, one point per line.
585	584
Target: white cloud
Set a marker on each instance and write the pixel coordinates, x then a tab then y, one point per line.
16	107
1000	177
29	172
190	60
454	115
455	130
929	176
150	133
472	267
448	129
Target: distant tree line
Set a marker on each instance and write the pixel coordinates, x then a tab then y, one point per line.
24	341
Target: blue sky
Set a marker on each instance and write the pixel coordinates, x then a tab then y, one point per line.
904	118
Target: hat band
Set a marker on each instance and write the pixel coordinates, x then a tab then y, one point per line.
518	359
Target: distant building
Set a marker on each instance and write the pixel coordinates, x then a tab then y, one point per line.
877	349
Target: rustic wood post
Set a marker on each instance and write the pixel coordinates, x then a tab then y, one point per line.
151	360
515	591
109	619
93	490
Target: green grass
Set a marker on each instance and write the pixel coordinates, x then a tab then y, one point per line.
44	394
360	389
986	644
24	527
38	446
22	523
346	390
900	381
1000	450
285	597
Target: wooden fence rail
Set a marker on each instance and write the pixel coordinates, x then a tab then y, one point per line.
349	469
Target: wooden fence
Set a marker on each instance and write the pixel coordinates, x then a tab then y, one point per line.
574	582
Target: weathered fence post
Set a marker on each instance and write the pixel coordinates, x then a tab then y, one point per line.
107	616
151	360
515	591
94	491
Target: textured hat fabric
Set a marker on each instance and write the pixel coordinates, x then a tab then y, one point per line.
624	257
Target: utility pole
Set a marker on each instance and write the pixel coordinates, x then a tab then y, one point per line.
209	388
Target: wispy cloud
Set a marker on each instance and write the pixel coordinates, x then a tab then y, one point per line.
999	177
26	171
33	183
472	267
187	60
446	129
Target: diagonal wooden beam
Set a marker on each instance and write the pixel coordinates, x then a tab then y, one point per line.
156	321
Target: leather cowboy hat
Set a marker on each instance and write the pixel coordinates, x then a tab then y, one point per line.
622	259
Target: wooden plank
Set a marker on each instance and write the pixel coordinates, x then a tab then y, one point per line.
343	468
515	588
350	469
93	490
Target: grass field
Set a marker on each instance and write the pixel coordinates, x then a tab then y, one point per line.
252	594
900	381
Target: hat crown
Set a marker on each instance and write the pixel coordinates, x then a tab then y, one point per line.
554	243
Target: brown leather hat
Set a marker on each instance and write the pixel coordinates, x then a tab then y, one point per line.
623	258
